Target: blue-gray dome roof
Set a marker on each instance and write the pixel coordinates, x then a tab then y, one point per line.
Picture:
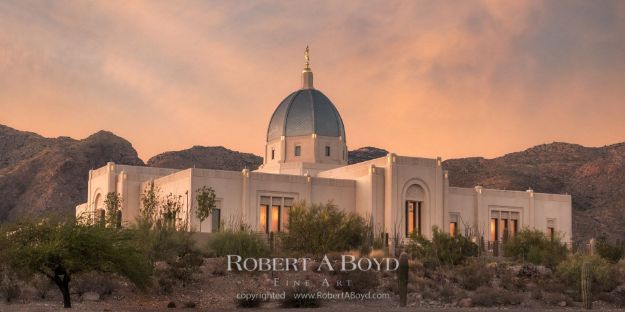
305	112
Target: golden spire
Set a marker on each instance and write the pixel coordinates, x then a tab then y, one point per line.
307	57
307	75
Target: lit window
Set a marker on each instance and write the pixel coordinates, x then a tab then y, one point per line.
327	151
273	153
275	218
298	150
412	217
493	229
262	217
274	213
285	218
453	228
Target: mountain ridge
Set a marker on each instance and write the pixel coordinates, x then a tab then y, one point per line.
40	175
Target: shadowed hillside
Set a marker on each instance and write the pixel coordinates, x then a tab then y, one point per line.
41	175
206	157
49	176
595	178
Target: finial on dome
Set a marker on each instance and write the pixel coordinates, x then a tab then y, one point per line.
307	75
307	57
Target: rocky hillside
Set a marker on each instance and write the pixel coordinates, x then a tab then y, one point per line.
205	157
595	177
49	176
364	154
41	175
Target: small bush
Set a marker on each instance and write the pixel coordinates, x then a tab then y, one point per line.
442	249
359	281
171	305
319	229
42	285
612	253
301	297
488	297
473	275
9	286
241	242
553	298
535	247
184	267
604	275
100	283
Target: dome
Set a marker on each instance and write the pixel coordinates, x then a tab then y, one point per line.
304	112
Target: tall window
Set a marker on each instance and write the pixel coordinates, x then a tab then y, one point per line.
327	151
504	225
453	224
298	150
262	217
273	153
413	217
273	213
216	220
494	227
551	228
118	219
286	209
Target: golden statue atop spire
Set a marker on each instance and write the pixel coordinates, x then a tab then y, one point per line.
307	75
307	57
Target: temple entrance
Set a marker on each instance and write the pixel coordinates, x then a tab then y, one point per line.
413	217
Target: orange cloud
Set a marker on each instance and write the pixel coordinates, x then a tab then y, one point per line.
420	78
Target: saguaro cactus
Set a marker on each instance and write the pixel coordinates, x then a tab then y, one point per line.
403	279
586	285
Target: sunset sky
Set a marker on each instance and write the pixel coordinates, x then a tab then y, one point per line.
420	78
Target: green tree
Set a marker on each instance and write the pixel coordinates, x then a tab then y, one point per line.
535	247
171	207
443	248
205	203
150	201
318	229
113	206
60	250
611	252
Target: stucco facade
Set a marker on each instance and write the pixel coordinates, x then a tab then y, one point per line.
400	194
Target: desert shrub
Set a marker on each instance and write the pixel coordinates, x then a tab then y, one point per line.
473	275
442	249
249	300
242	242
604	274
447	293
100	283
610	252
42	285
9	285
301	297
533	246
183	268
359	281
488	297
190	305
554	298
319	229
176	248
165	284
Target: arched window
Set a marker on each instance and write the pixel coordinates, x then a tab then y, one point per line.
415	197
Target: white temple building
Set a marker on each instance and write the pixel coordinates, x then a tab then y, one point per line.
306	160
